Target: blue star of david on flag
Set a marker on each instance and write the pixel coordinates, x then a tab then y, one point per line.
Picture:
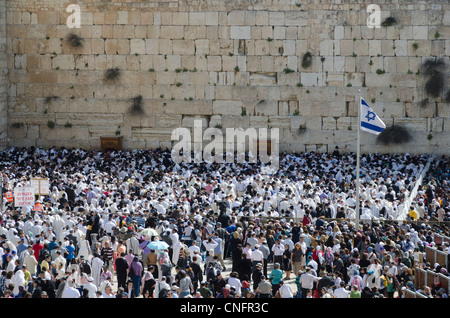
370	122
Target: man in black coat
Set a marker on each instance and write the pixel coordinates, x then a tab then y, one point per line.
256	275
244	268
198	274
121	271
326	281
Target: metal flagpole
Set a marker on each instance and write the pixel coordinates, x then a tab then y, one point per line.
358	145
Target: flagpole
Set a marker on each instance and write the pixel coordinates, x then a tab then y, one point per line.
358	146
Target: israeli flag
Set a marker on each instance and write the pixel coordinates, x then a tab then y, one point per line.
370	122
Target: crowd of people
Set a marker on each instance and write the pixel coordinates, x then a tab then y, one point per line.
285	235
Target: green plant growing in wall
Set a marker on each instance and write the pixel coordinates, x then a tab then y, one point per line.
389	21
48	99
296	113
68	125
178	84
74	40
299	84
436	35
430	136
218	126
415	46
111	74
151	69
177	70
380	71
435	71
244	112
269	39
236	69
137	105
51	124
18	125
288	70
394	135
306	60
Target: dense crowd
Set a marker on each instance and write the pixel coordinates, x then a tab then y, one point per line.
91	236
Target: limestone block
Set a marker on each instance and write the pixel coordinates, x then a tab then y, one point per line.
339	32
266	32
309	79
347	123
328	123
183	47
279	32
326	47
296	18
276	18
401	47
215	120
214	63
88	119
297	122
137	46
279	122
314	123
266	107
419	17
171	32
240	32
261	47
262	18
169	121
33	132
446	18
420	32
165	46
17	133
259	121
355	79
197	107
122	17
151	134
413	124
283	108
361	47
335	79
227	107
197	18
347	47
236	18
236	121
377	80
211	18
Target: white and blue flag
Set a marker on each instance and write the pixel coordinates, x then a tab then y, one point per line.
370	122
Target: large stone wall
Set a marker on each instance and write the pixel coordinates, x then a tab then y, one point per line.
229	63
3	78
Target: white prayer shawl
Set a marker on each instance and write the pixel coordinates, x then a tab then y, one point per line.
18	280
97	265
